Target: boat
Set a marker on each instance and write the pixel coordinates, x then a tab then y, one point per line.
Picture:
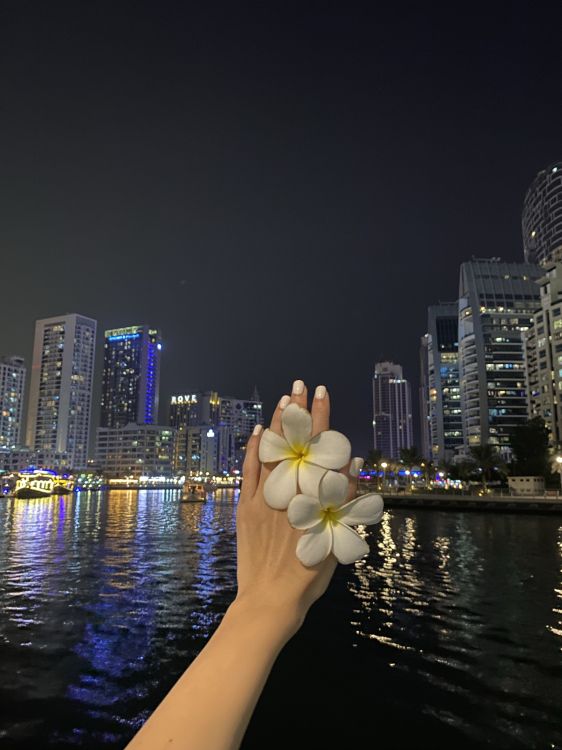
35	484
193	493
42	483
63	485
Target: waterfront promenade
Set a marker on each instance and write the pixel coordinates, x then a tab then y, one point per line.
457	502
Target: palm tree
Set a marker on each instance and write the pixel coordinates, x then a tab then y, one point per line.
486	459
410	457
373	459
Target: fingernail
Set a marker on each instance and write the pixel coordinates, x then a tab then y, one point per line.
355	466
320	392
298	387
257	429
285	401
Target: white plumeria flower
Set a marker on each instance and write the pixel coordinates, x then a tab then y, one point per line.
304	459
326	521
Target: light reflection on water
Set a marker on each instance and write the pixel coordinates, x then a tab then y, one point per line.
468	606
104	599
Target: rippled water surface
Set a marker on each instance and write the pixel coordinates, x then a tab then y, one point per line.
449	635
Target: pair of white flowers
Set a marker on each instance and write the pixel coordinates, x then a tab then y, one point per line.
310	464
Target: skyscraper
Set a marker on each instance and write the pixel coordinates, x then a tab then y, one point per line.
541	222
425	429
442	379
543	355
392	410
496	303
60	393
12	383
131	376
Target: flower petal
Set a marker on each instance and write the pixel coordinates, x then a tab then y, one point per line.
329	449
297	426
281	485
309	478
364	509
332	490
274	447
315	544
348	545
304	512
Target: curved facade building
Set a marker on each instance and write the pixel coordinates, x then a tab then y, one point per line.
542	217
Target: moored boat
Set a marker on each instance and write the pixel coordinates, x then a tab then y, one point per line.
193	493
35	484
63	485
42	483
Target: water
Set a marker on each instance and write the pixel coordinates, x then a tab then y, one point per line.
448	635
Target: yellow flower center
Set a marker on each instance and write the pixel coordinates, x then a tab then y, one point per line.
301	451
330	515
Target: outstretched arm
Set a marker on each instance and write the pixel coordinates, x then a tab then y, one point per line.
211	704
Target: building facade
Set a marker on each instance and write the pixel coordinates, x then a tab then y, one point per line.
131	376
237	418
12	386
541	222
135	450
443	388
60	393
20	458
212	431
392	410
497	302
425	427
543	355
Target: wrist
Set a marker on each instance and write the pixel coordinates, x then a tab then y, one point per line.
280	621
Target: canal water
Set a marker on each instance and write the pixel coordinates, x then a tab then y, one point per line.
449	635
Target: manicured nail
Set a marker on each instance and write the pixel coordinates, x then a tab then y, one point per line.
320	392
355	466
257	429
285	401
298	387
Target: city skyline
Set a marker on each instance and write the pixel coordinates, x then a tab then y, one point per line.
332	156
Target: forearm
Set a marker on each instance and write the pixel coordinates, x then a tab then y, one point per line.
211	704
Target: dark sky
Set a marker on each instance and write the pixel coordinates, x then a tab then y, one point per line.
282	188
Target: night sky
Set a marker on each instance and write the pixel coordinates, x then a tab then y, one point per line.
283	189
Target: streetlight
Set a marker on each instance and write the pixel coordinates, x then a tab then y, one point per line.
383	467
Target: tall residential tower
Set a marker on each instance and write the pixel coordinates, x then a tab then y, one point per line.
60	393
12	383
496	304
543	350
392	410
131	376
442	381
542	217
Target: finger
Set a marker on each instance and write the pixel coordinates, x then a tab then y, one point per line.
276	418
299	394
251	467
320	410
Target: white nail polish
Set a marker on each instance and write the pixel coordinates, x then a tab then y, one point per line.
320	392
285	401
257	429
355	466
298	387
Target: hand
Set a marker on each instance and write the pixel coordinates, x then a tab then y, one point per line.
270	576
